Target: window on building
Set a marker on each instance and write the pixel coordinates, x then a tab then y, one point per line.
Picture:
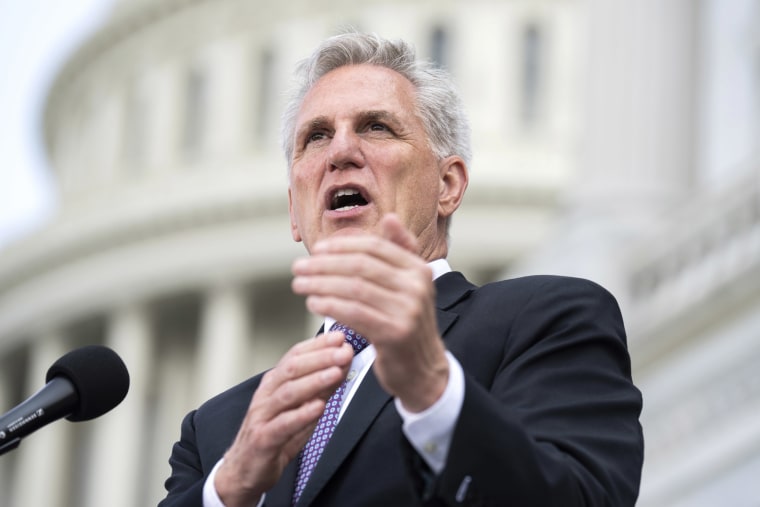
135	129
195	112
532	73
439	46
728	98
265	97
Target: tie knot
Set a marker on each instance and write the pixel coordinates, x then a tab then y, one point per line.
357	341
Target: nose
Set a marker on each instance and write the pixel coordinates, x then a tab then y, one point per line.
345	150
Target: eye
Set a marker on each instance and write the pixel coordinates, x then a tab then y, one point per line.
315	137
377	127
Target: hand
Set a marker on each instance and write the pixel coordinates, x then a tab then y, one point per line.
379	286
281	417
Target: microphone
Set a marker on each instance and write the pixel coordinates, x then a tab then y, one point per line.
81	385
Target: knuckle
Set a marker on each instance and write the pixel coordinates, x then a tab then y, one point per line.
420	284
405	328
268	380
286	393
359	289
290	370
361	265
376	242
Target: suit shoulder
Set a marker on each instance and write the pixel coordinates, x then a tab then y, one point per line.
547	292
547	283
236	398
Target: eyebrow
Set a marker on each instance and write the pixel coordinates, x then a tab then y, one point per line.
381	114
315	123
322	121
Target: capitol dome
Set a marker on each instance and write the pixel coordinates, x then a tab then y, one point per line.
172	245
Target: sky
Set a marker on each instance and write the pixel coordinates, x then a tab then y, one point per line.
36	36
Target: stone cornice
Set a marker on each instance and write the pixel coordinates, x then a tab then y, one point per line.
117	30
131	22
60	244
69	239
698	268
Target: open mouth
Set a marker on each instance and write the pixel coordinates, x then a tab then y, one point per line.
346	199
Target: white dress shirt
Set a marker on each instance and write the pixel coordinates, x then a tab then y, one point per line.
429	431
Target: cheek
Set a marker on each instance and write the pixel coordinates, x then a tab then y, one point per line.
417	197
300	200
300	187
419	178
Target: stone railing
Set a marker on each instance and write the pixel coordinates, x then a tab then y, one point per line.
708	254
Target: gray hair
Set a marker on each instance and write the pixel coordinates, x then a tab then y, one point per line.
438	103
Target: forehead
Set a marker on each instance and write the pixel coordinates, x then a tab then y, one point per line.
354	88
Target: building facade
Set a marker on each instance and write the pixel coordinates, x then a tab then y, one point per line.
601	150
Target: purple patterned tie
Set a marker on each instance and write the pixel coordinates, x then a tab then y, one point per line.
310	454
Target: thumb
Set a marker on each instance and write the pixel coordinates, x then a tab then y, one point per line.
393	230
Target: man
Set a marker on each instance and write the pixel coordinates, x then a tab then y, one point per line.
515	393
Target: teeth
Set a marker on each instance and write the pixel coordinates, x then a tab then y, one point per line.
345	199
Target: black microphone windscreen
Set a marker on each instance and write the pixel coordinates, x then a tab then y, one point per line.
99	376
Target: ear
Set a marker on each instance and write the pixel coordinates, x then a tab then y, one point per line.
452	184
293	225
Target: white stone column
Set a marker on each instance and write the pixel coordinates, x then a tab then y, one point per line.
120	437
640	90
44	458
223	346
636	153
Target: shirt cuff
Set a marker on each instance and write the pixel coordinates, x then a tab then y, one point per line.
431	430
210	496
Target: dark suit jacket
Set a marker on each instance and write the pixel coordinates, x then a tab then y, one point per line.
550	415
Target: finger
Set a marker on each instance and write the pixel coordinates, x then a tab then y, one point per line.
307	357
306	366
393	321
393	233
371	245
321	341
269	446
358	269
298	440
349	298
290	425
373	284
371	267
301	377
364	319
292	395
393	230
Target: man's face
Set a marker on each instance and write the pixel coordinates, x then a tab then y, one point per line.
361	152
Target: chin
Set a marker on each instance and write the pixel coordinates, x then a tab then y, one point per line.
353	231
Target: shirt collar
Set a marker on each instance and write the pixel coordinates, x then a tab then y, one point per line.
440	267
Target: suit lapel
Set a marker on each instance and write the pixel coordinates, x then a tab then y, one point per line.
369	399
364	408
282	492
452	288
